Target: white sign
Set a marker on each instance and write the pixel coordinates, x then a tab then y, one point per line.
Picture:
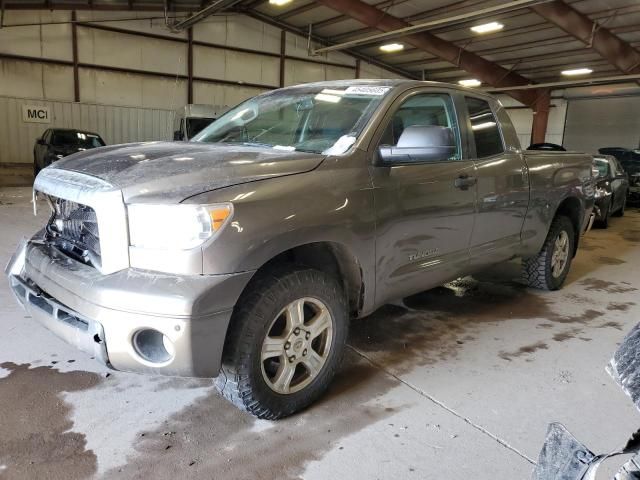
366	90
35	114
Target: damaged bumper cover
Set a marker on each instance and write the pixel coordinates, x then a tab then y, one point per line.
131	320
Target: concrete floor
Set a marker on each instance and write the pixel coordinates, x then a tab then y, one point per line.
460	382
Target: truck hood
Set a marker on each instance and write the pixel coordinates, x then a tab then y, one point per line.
169	172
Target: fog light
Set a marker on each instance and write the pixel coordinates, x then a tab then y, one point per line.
153	346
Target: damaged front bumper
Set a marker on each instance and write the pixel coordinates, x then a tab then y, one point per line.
131	320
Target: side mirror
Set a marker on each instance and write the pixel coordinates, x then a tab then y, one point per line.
178	135
420	143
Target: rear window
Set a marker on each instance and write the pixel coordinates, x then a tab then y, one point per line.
484	127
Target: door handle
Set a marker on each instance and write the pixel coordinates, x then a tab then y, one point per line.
463	182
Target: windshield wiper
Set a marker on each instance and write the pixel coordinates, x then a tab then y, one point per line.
306	150
257	144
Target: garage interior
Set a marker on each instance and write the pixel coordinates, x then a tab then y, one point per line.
458	381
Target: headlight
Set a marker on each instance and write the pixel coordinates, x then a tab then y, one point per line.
171	227
601	192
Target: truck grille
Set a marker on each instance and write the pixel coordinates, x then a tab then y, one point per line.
73	228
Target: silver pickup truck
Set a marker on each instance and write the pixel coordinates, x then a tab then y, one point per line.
243	253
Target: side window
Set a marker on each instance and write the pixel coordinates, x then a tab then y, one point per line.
423	110
484	126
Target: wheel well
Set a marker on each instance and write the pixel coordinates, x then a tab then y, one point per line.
571	208
332	258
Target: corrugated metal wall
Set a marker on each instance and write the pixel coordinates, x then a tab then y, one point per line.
116	124
522	119
125	106
617	123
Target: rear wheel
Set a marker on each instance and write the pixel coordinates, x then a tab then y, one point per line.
548	270
285	343
620	212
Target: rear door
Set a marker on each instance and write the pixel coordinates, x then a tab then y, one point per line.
503	186
424	213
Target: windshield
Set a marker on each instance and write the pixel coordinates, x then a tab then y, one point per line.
76	139
603	167
311	118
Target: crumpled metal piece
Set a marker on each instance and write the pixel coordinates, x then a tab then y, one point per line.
630	470
624	367
562	457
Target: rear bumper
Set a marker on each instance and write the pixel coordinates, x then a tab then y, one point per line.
103	314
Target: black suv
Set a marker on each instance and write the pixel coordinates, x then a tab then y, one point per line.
56	143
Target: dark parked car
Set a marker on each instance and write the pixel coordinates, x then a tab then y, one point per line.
612	185
57	143
550	147
630	161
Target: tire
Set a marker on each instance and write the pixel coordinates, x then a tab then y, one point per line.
604	222
538	271
620	211
250	380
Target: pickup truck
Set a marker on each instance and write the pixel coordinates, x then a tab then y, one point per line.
243	254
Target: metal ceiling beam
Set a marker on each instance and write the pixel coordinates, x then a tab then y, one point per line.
17	5
316	38
434	13
409	29
611	47
537	28
486	71
568	83
297	11
344	18
461	5
214	7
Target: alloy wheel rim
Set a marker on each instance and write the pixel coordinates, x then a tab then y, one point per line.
297	345
560	255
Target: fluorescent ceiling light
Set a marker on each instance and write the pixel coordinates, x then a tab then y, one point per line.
279	3
487	27
577	71
392	47
470	82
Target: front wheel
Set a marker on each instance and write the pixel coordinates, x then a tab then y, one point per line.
549	268
285	342
606	216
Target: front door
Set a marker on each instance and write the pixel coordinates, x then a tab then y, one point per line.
425	213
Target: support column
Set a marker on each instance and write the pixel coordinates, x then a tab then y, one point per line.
74	47
283	50
540	116
190	65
